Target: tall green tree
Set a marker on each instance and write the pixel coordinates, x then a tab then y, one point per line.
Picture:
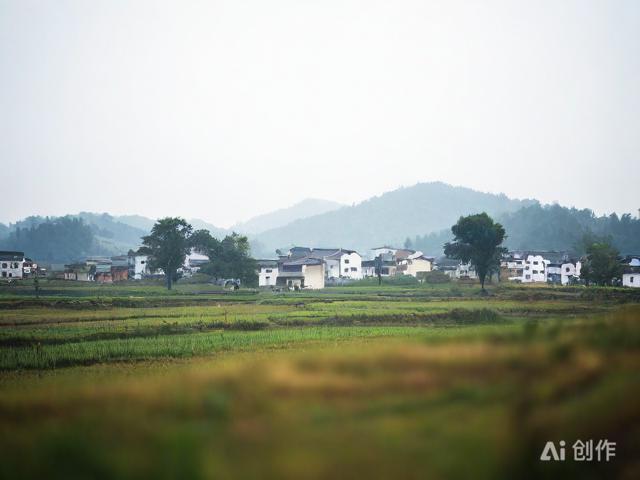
601	265
167	246
229	258
477	239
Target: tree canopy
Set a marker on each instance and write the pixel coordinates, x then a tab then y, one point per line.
477	239
229	258
167	246
63	239
602	264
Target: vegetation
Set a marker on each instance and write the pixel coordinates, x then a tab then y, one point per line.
602	264
230	257
60	240
167	246
477	240
552	227
356	381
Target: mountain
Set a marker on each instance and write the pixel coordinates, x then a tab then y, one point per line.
137	221
102	234
387	219
552	227
279	218
217	232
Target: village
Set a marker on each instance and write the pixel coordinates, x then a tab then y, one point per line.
316	268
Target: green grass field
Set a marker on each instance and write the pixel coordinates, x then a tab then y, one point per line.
132	381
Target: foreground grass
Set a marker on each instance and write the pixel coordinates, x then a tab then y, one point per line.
370	383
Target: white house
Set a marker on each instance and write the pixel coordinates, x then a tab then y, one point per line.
267	273
386	252
138	266
569	271
305	272
415	263
343	264
11	264
466	270
338	262
535	269
631	280
631	275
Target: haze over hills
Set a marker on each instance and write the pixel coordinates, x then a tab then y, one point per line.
423	213
281	217
388	219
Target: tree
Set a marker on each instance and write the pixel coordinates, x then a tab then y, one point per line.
477	239
408	244
229	258
167	246
602	264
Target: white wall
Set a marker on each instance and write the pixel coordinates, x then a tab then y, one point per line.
267	276
631	280
535	269
351	265
11	269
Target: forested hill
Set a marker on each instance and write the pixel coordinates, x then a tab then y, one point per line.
69	238
388	218
552	227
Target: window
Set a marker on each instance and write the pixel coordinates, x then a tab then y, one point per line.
142	262
535	271
346	261
567	269
354	269
4	265
527	267
630	279
528	277
535	263
268	270
10	274
346	270
267	278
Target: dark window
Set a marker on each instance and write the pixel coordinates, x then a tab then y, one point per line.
535	263
567	269
354	269
4	265
346	260
268	270
346	270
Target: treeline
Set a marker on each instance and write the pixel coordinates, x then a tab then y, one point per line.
552	227
62	240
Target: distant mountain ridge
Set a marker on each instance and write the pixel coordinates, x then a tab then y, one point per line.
283	216
388	219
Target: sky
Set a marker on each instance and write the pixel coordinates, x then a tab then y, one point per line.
223	110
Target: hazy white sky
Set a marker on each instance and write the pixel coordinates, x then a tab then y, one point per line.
226	109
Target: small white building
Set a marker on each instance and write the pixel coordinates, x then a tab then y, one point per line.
138	266
535	269
267	273
631	280
343	264
11	265
631	275
386	252
301	273
414	264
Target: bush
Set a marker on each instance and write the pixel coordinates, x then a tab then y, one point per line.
434	277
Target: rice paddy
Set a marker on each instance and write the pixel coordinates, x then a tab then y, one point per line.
352	382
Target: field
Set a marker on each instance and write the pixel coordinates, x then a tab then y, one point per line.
413	381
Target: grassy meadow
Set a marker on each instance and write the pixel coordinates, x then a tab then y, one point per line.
413	381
